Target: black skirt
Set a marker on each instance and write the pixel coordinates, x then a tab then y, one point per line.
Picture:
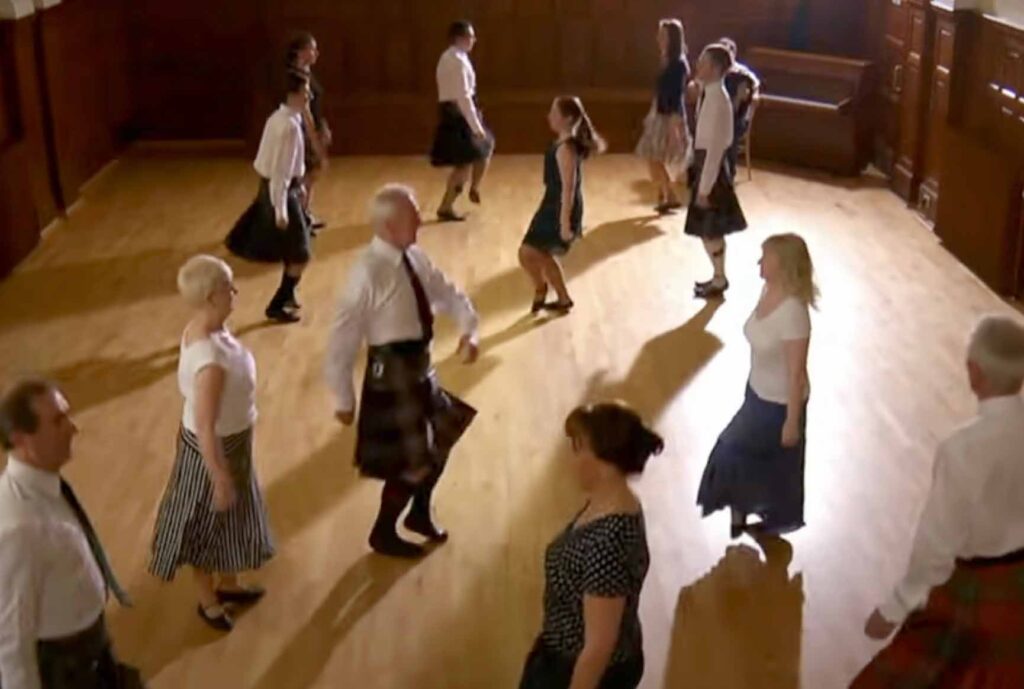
546	669
725	215
454	143
256	237
407	422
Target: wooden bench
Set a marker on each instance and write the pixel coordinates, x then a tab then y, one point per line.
814	110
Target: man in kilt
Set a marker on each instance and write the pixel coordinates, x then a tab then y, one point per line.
461	141
714	209
407	423
961	602
275	227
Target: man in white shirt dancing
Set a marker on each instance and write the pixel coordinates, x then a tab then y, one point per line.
461	140
275	226
961	602
54	575
714	209
407	423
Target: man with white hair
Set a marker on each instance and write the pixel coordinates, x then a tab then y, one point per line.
407	423
961	602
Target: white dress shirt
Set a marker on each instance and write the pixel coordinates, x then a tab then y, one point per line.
456	81
378	305
714	132
281	156
237	410
976	504
50	584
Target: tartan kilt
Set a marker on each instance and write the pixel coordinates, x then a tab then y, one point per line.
406	420
970	635
725	215
454	144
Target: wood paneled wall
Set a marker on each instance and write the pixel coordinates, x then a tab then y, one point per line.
85	72
378	60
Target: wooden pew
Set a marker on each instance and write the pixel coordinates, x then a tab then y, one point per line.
814	110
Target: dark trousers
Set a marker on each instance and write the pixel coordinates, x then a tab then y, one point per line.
84	661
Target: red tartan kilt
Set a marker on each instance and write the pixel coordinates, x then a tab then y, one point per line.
970	635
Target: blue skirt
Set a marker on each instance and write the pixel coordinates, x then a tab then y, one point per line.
751	471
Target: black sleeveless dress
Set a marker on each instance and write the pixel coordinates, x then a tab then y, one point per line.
544	233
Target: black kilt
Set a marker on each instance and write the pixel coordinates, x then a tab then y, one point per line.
454	143
256	237
84	661
407	422
725	215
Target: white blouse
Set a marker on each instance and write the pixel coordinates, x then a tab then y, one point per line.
456	82
238	400
769	372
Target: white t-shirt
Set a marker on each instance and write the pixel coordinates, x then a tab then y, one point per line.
238	400
769	374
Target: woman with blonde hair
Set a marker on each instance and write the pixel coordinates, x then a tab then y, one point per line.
757	465
666	137
212	515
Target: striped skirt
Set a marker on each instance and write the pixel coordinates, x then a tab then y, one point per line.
188	529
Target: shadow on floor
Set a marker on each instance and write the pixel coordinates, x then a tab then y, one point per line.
740	625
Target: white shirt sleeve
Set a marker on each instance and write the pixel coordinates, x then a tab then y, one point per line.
19	613
348	330
718	112
795	321
941	534
445	297
465	97
288	152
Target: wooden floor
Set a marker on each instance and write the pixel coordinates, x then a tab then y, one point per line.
96	308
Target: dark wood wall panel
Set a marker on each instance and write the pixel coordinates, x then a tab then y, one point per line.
86	56
378	56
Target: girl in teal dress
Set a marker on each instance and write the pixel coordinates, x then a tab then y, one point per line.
559	220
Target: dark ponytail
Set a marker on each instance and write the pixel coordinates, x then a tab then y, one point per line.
585	138
616	434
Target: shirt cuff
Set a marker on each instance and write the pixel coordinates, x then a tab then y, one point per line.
893	610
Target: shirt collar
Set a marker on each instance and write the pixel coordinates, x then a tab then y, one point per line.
35	480
999	405
386	250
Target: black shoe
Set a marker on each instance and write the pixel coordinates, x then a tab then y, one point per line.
292	305
281	315
221	622
474	196
672	205
245	596
710	290
664	208
393	546
425	527
561	307
736	530
449	216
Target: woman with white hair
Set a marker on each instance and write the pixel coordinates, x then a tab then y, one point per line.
212	515
961	601
757	465
408	424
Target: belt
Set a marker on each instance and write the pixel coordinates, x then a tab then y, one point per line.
401	348
1011	558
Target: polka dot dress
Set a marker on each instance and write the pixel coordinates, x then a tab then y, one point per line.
605	557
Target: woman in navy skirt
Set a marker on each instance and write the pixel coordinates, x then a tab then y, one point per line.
559	220
757	465
212	515
594	570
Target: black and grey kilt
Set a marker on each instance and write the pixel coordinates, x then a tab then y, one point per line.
407	422
725	215
188	529
256	237
84	661
454	143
